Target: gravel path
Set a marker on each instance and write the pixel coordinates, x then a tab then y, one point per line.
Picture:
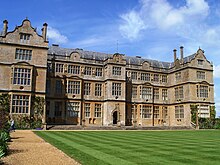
27	148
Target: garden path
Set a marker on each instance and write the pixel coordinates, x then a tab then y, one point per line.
27	148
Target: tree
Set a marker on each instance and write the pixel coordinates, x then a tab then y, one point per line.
38	107
194	109
4	110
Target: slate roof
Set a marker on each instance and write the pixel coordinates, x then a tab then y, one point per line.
64	52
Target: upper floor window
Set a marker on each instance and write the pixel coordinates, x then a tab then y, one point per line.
23	54
164	94
73	69
145	76
48	86
146	92
116	70
179	92
98	72
179	111
59	67
88	70
164	78
20	104
156	77
200	75
98	89
134	75
202	91
21	76
134	91
25	38
156	93
87	87
200	62
116	89
74	87
178	76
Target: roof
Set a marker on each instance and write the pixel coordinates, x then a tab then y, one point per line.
64	52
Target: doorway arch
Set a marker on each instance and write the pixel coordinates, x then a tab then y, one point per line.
115	117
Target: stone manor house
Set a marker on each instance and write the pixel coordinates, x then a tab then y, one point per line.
98	89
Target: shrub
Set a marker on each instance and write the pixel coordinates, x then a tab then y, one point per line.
4	138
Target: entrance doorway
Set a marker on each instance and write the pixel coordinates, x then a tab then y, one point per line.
115	117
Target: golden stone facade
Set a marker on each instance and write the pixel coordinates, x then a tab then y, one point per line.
97	89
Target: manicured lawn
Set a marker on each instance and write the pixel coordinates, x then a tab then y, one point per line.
138	147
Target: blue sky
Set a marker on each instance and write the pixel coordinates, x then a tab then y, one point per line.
147	28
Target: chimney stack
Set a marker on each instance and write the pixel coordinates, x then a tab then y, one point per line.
5	27
174	54
44	31
181	53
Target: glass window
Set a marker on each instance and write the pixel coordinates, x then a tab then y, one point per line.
179	92
98	72
164	94
21	76
87	87
200	75
20	104
202	91
88	70
146	92
156	78
156	112
98	89
73	109
145	76
74	87
116	89
59	67
164	78
23	54
116	71
87	110
134	75
74	69
200	62
134	91
98	110
178	75
25	38
146	112
179	112
156	93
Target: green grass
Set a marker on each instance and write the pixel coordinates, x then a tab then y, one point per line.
138	147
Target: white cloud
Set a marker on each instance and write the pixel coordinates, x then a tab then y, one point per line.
217	71
160	14
132	26
54	35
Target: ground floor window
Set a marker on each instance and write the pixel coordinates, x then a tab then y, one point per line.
146	112
179	112
98	110
87	109
20	104
73	109
156	112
